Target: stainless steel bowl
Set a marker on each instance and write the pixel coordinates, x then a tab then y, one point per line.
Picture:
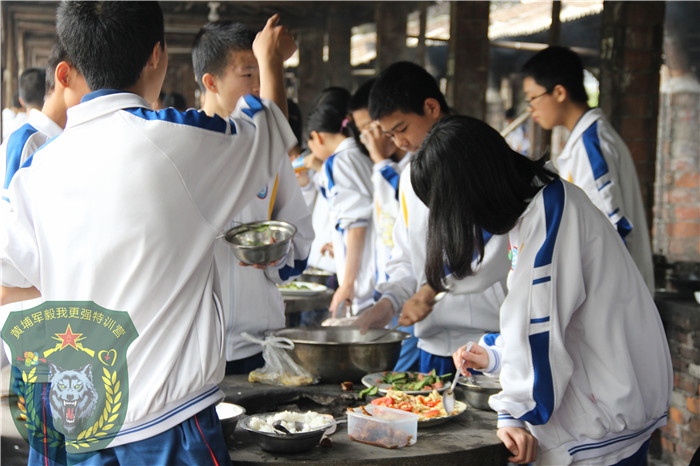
315	275
477	393
338	354
260	242
284	443
229	414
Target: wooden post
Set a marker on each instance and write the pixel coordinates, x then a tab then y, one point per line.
390	18
468	58
311	74
630	61
339	32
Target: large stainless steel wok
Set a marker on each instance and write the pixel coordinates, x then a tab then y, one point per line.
337	354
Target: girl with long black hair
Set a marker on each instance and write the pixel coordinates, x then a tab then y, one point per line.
582	355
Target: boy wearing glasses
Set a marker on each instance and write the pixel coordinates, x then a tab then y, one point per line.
595	157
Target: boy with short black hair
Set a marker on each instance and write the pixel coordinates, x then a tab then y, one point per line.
406	102
595	157
389	162
226	69
65	86
32	88
131	225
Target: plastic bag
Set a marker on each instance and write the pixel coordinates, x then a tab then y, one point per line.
279	368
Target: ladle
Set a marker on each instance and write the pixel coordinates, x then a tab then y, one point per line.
385	334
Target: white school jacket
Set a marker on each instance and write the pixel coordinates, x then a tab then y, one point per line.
385	182
463	313
133	227
596	159
321	221
22	143
250	297
346	182
582	355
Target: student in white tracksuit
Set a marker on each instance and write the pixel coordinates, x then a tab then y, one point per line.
595	158
389	161
65	86
250	296
135	228
226	69
470	307
320	219
406	102
346	184
582	355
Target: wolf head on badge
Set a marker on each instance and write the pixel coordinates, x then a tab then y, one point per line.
73	396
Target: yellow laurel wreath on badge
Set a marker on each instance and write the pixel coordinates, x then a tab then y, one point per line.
109	415
26	406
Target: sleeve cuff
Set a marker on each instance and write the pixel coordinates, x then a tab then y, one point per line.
393	301
494	360
506	420
379	165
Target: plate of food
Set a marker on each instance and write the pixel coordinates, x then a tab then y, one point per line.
412	383
301	289
429	408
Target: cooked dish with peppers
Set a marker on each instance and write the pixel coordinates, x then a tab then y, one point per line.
426	407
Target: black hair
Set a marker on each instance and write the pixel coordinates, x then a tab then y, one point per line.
329	118
32	87
175	100
295	119
558	65
110	42
360	99
213	45
15	100
58	54
336	95
511	113
329	112
404	87
471	181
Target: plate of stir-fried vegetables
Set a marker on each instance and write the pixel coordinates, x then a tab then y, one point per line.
413	383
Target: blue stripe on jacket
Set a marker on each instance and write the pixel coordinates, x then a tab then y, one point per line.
328	166
553	195
591	142
15	146
543	387
392	178
288	271
191	117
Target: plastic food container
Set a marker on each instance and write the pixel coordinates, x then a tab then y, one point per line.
384	427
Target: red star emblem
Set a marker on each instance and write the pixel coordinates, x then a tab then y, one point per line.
69	338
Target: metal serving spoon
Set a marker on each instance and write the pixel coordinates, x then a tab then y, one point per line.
448	399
